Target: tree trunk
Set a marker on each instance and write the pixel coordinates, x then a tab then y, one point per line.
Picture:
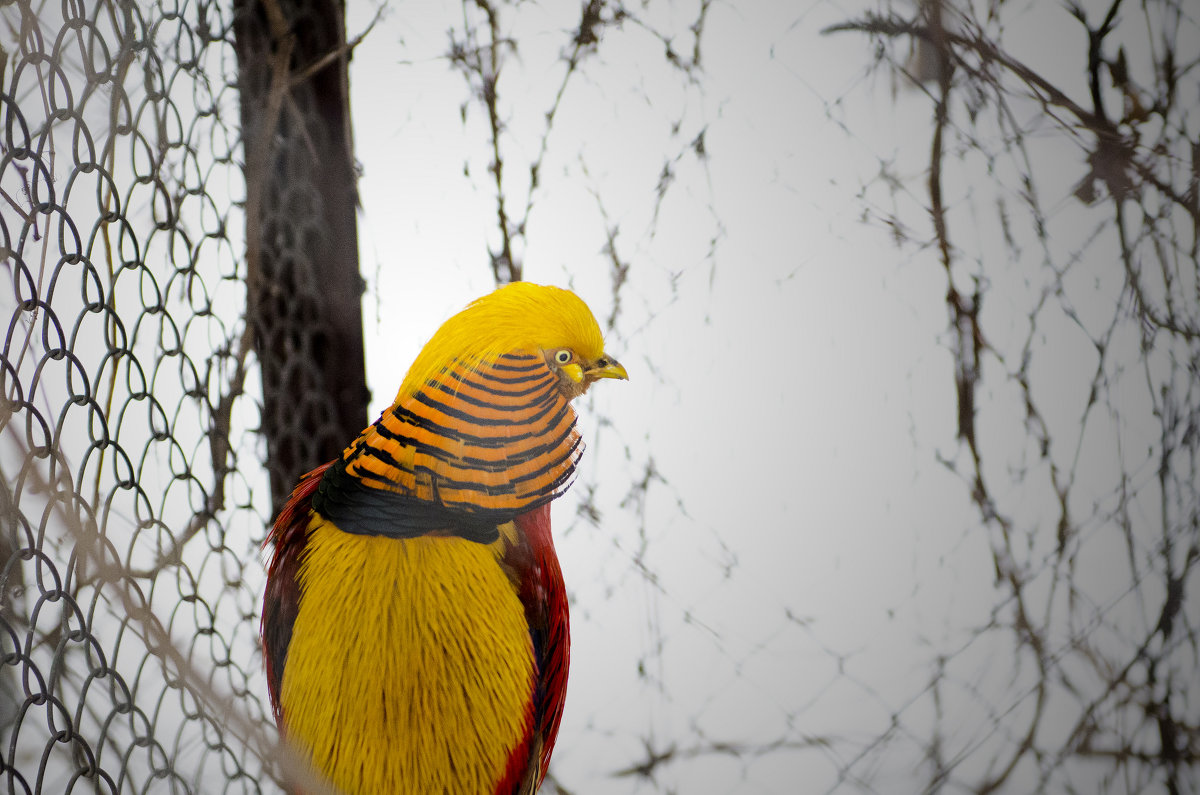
303	282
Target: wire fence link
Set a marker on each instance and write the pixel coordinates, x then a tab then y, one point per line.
134	488
128	532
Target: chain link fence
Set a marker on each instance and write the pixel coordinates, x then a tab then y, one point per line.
134	488
128	530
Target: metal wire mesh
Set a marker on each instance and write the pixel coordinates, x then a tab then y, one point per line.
128	532
133	496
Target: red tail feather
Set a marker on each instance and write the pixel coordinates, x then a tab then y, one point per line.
281	600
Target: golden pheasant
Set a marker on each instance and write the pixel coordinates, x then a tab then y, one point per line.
415	626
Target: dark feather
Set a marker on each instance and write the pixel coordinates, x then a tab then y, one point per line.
281	600
356	508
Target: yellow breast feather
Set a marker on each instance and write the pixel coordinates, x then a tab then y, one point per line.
410	668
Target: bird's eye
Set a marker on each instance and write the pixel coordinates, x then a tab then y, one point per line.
563	356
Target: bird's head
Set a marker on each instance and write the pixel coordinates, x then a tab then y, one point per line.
521	318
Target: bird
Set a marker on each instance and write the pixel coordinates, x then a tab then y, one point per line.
415	629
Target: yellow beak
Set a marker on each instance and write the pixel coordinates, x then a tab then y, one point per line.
608	367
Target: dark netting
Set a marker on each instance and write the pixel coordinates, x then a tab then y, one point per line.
177	232
129	552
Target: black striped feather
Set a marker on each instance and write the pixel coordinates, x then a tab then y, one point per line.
476	446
